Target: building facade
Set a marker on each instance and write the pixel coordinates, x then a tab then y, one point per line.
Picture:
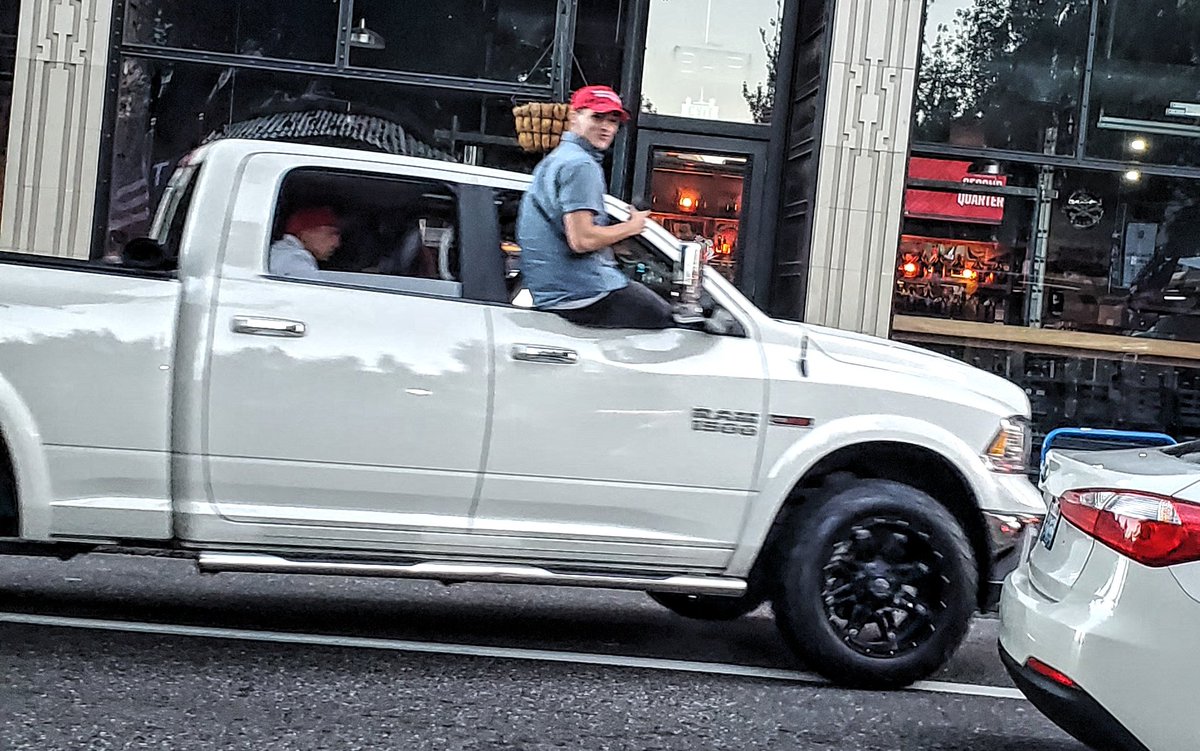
1008	181
108	94
1059	245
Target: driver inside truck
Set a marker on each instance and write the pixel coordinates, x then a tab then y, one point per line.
310	235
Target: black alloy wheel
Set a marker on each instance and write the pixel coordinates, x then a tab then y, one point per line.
876	584
884	587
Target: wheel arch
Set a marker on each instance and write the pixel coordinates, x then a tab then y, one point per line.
919	467
935	470
24	458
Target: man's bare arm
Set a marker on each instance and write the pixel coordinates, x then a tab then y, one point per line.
585	236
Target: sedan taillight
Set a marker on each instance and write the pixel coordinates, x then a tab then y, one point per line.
1153	530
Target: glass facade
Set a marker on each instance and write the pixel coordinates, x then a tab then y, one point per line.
280	29
166	108
1051	229
436	80
712	59
439	80
8	55
1099	237
1003	74
1102	252
601	42
1145	88
502	40
698	196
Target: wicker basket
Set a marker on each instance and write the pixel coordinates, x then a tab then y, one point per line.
540	125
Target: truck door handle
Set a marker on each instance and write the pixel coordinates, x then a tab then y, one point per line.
536	353
268	326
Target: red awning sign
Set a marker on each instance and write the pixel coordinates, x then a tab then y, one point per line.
952	207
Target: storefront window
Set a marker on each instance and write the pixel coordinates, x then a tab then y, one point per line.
285	29
712	59
500	40
1129	265
600	33
165	109
1145	94
1120	254
962	254
698	196
1002	74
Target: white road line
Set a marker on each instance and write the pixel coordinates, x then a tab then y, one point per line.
468	650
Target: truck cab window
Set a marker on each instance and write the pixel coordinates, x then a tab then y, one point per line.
366	230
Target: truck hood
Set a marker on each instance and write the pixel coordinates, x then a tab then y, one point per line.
896	357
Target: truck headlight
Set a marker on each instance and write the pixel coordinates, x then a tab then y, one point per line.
1009	450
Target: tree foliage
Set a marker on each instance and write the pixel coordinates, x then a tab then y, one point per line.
1010	68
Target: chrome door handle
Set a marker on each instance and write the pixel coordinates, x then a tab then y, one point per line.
535	353
268	326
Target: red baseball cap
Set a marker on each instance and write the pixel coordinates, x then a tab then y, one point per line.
311	218
599	99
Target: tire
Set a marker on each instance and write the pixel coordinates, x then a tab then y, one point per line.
707	607
8	494
875	584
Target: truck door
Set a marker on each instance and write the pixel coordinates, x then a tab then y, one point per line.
347	407
618	445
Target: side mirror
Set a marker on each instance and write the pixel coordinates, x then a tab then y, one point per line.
688	277
144	253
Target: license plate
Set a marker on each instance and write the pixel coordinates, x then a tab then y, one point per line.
1050	525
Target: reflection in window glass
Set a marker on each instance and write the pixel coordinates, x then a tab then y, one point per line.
1146	84
499	40
712	59
1002	73
1122	255
961	254
165	109
599	43
286	29
699	197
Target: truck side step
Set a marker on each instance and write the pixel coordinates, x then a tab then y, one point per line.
218	562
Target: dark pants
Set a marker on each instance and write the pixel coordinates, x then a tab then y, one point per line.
632	307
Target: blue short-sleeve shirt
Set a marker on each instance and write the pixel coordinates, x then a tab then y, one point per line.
568	179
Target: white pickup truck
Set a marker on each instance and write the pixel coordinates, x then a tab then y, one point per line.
402	414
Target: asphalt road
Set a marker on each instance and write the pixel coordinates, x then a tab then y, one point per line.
358	681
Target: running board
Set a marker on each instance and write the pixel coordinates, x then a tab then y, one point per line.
216	562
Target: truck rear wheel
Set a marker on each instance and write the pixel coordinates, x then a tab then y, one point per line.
876	584
708	607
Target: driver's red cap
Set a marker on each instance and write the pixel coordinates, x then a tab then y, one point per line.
599	99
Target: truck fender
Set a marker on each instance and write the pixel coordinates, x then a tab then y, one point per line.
802	456
28	455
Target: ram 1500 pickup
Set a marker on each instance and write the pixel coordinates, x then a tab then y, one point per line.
403	412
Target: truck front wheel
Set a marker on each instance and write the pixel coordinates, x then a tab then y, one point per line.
875	585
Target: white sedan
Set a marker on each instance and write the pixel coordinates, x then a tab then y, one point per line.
1100	622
